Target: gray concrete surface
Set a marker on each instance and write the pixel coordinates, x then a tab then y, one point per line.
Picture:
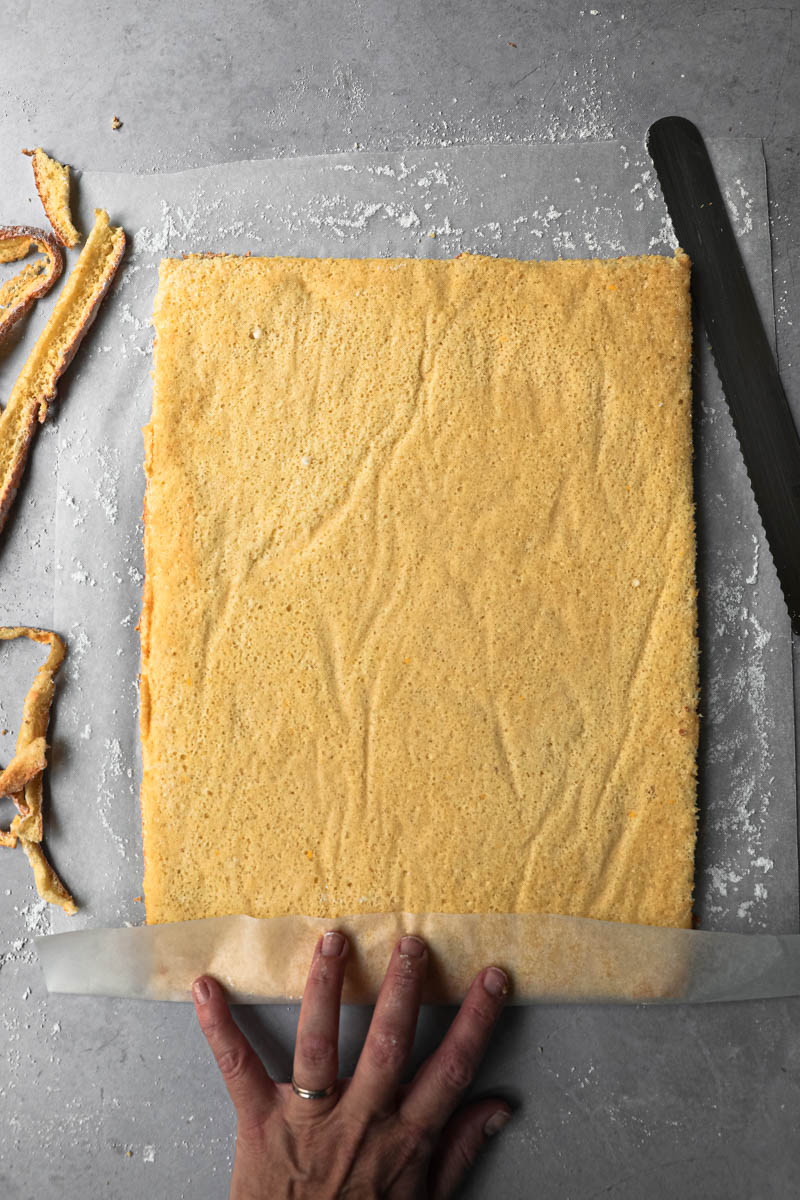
118	1099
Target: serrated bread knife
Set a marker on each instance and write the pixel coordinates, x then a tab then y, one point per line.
746	365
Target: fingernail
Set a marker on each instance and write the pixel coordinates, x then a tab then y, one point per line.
332	944
201	991
496	1122
411	946
496	982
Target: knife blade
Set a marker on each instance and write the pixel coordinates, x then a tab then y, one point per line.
745	363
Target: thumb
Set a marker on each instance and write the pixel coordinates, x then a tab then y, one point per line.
463	1137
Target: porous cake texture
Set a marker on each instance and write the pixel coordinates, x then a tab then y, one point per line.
419	619
52	184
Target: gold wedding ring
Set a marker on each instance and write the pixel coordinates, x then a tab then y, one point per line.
311	1094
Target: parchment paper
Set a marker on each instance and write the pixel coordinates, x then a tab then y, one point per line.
587	199
549	958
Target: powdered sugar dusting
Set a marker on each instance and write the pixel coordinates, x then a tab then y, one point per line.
112	771
739	757
740	206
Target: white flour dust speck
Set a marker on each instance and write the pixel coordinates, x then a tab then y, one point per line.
740	207
107	481
722	879
36	916
665	236
81	575
753	576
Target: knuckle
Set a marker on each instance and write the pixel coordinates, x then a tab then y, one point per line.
411	1141
352	1127
386	1050
455	1071
233	1062
478	1013
467	1151
316	1049
213	1028
251	1132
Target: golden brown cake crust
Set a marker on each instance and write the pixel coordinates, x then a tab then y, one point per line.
418	630
18	294
52	183
26	768
74	311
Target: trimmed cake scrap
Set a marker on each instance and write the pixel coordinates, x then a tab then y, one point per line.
72	315
22	778
19	294
52	184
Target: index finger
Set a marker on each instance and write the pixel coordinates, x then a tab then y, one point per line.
442	1080
250	1088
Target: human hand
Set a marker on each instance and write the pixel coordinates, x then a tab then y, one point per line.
368	1136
